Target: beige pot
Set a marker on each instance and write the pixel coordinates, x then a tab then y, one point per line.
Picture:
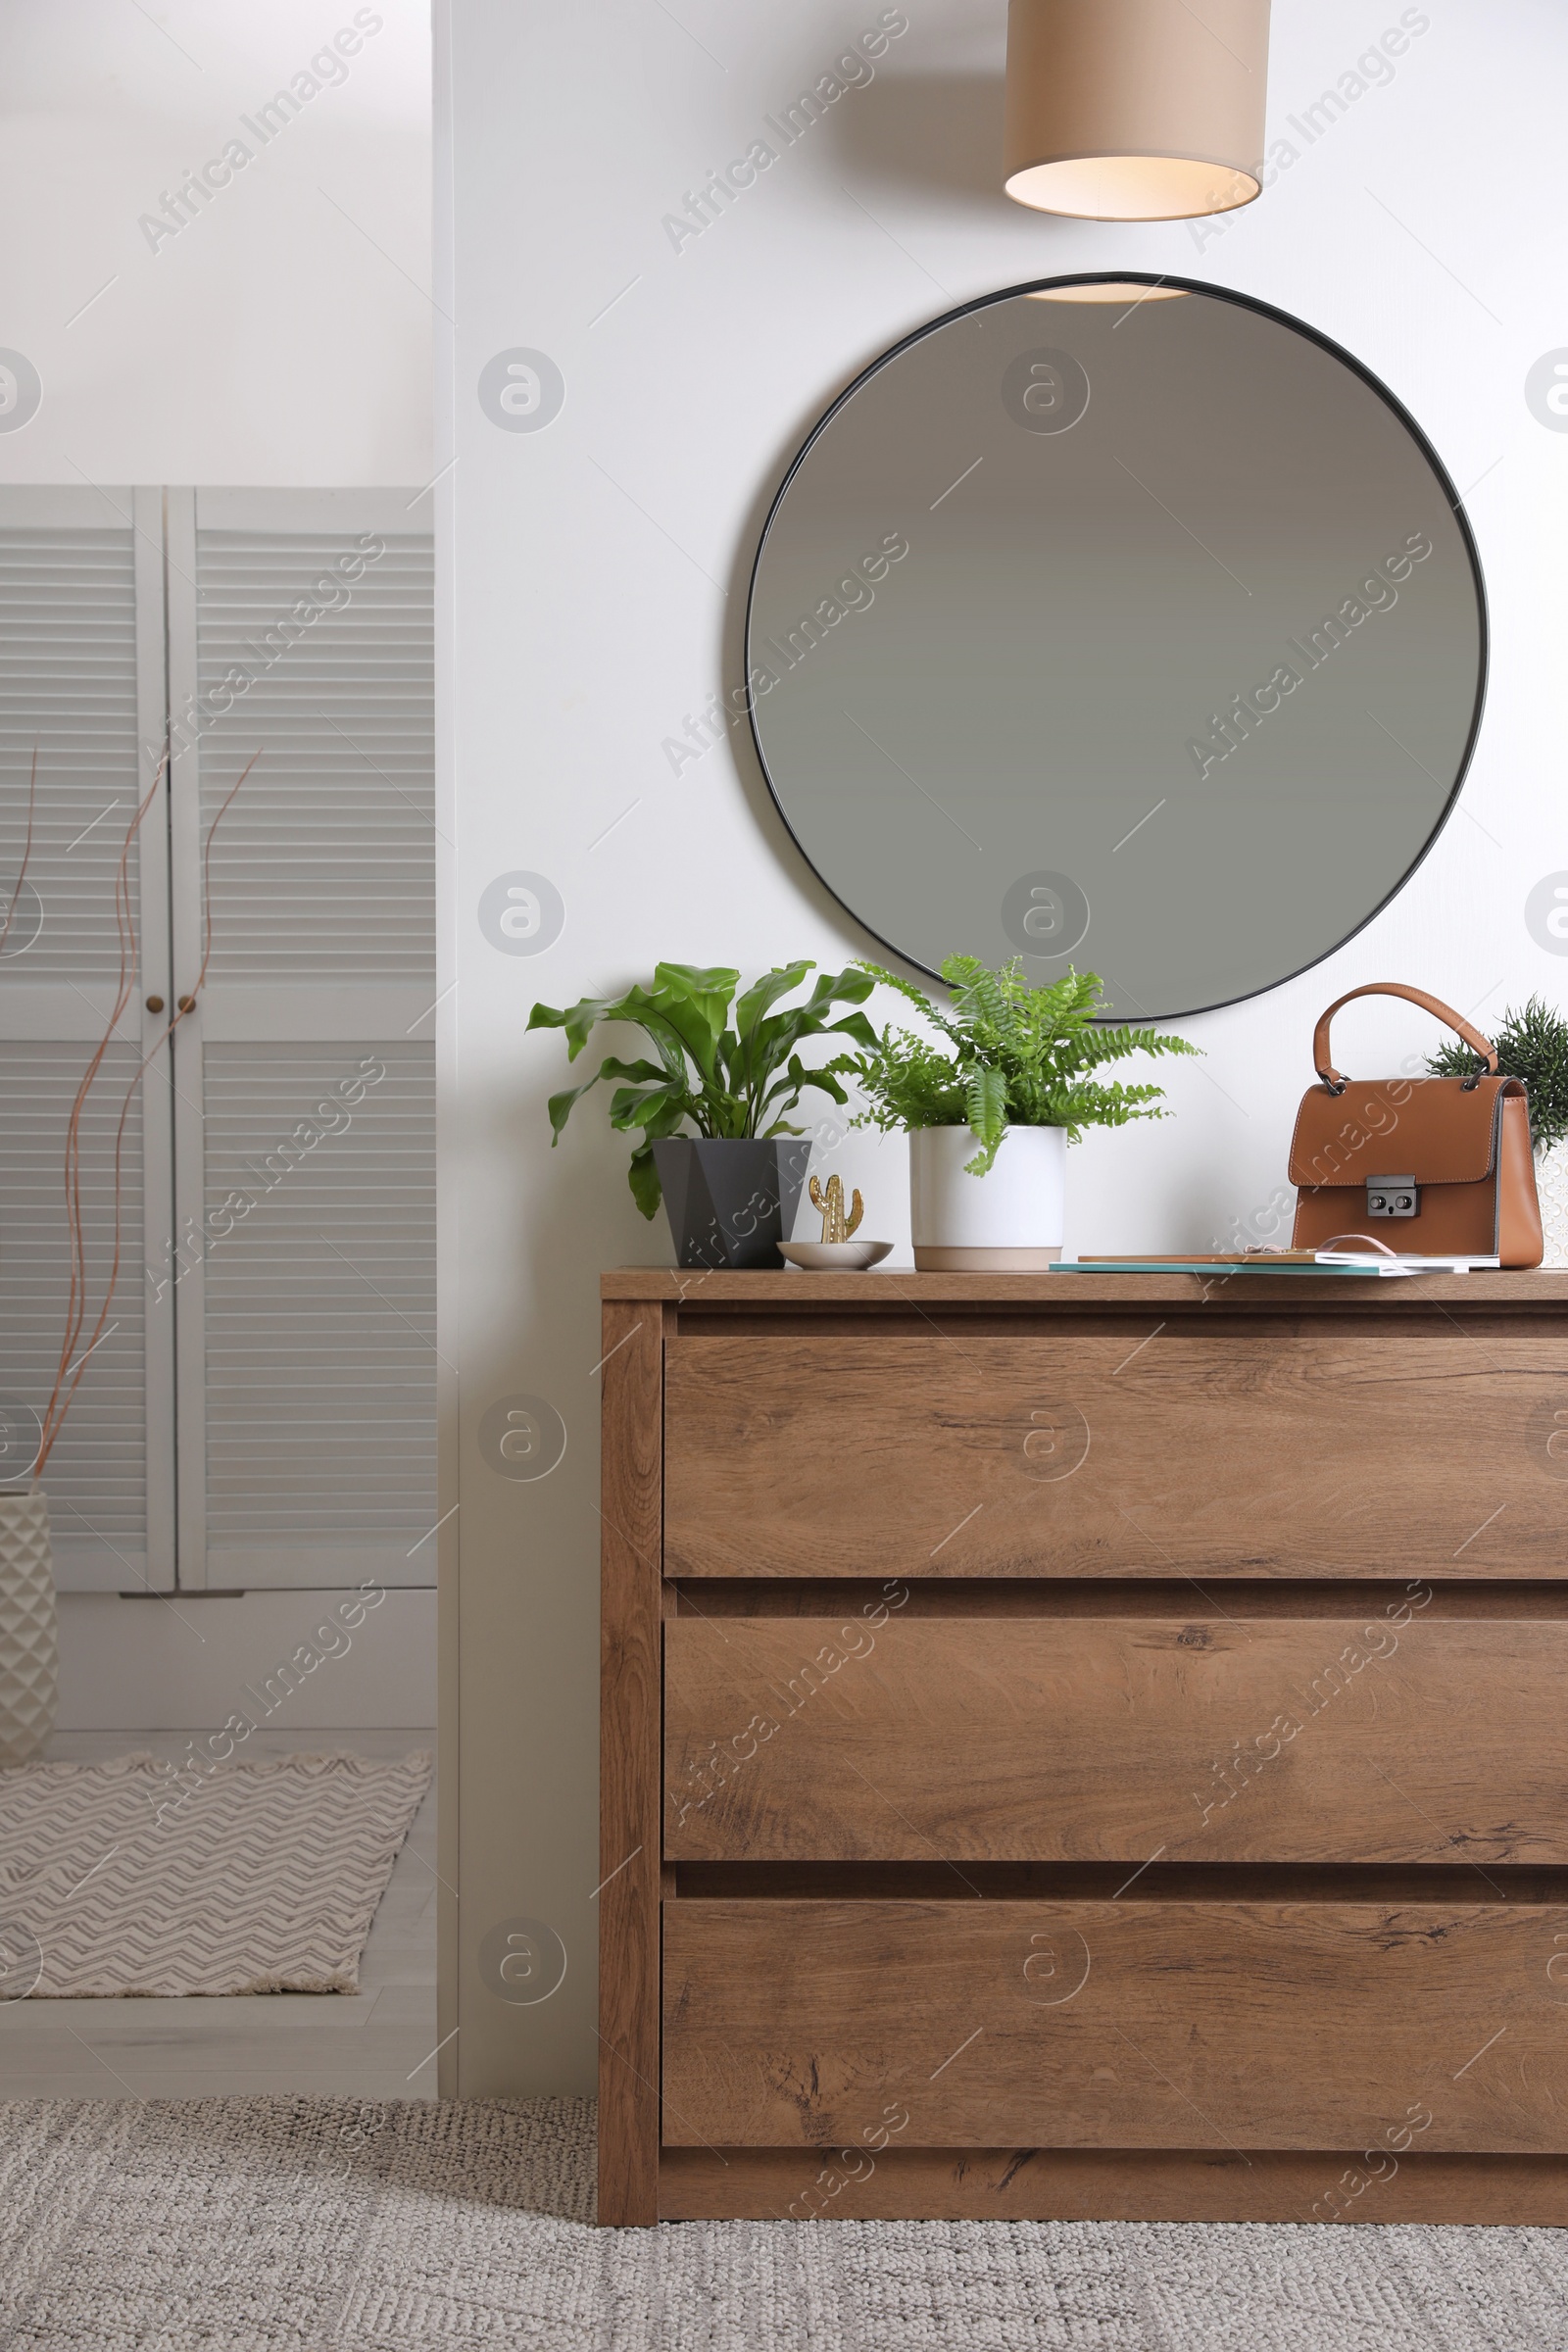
1551	1184
30	1658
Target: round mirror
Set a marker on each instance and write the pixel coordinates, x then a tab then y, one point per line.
1117	624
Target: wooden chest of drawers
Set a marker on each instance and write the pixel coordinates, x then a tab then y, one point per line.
1084	1746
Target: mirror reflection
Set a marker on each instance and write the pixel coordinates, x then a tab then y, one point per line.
1118	624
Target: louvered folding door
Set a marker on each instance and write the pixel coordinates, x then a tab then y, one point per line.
300	635
81	683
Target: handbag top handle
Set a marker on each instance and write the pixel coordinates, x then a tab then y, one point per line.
1337	1082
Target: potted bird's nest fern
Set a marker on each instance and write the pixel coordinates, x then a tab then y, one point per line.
992	1102
729	1068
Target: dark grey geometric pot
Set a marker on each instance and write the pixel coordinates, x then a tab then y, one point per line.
731	1204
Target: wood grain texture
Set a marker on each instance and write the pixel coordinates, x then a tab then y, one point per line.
1118	2025
630	1795
901	1287
869	1738
1122	2184
1240	1453
1129	1522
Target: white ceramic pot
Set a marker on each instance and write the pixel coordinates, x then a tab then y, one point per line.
1551	1185
29	1643
1005	1222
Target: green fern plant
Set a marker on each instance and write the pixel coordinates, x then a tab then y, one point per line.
1009	1056
1533	1045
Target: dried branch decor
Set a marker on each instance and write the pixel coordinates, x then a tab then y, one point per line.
71	1366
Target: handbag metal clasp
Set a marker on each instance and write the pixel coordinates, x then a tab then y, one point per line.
1392	1197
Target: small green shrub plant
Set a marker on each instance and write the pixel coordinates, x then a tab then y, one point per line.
1532	1044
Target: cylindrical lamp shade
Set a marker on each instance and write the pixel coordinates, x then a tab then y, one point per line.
1134	110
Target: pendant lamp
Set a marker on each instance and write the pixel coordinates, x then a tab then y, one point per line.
1134	110
1107	289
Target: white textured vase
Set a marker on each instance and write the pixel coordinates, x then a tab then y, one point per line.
1006	1222
1551	1184
29	1657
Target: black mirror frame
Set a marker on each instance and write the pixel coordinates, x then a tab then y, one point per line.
1247	302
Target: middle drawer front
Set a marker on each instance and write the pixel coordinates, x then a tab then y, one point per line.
1116	2025
1394	1738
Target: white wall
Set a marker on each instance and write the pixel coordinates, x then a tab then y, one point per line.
283	334
598	569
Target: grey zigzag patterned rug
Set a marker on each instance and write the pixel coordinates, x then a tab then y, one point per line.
121	1877
331	2226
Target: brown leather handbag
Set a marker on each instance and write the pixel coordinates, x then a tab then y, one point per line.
1428	1167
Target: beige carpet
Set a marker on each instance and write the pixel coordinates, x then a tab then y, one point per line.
120	1877
324	2225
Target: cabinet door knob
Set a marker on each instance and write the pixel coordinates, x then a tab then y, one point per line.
155	1003
187	1004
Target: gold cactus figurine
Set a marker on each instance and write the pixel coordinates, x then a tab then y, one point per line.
836	1227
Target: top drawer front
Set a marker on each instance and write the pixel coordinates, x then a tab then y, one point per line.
1243	1453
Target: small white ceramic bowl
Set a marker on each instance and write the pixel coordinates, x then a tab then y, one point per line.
835	1257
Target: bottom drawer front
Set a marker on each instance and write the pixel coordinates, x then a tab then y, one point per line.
1152	2024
